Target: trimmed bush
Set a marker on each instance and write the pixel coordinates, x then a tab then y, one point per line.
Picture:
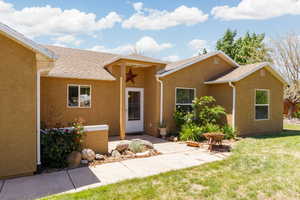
57	144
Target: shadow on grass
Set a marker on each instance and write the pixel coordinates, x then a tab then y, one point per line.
284	133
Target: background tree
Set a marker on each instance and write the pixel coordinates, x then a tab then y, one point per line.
203	51
247	49
286	56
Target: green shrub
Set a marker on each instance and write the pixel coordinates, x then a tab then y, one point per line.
190	132
210	128
179	118
57	144
296	114
207	112
229	132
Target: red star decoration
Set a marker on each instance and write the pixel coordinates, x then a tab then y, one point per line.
130	76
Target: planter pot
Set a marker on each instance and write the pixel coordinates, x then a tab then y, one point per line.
163	132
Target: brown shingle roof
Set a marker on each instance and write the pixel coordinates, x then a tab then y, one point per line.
242	72
178	65
82	64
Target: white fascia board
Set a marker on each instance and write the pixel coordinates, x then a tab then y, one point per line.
11	33
199	60
129	58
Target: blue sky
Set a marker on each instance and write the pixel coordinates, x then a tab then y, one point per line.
167	29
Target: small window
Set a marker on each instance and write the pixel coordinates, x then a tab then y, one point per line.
262	104
79	96
184	99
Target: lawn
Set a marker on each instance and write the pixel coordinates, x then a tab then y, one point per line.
259	168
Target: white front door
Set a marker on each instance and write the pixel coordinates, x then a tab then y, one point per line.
134	110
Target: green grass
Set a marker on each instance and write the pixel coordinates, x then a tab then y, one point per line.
259	168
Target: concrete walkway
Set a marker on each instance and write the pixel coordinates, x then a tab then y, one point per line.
175	156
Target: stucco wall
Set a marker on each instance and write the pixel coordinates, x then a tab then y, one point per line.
245	100
18	109
104	103
191	77
105	96
146	79
223	95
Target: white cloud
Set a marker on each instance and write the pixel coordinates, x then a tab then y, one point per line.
138	6
152	19
67	39
197	44
145	45
46	20
171	58
257	9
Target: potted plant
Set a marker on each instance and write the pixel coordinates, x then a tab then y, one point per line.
163	129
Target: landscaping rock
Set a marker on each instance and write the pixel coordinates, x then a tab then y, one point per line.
74	159
99	157
122	146
138	145
147	144
115	154
88	154
143	154
84	162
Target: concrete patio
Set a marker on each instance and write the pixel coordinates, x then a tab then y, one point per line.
174	156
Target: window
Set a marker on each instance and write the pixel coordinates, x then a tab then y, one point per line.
79	96
262	104
184	98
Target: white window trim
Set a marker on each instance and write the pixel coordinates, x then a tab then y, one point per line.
79	86
183	104
268	105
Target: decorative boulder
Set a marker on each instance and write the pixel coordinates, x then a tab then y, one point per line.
99	157
138	145
74	159
122	146
115	154
88	154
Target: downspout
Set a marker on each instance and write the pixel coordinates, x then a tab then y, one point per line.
161	100
38	116
233	103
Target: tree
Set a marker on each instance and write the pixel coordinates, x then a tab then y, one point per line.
286	56
203	51
244	50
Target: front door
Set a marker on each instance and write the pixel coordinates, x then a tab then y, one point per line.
134	110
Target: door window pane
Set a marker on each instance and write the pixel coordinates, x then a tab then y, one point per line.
73	96
134	105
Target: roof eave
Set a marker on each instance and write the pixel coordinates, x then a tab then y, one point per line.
14	35
199	60
262	65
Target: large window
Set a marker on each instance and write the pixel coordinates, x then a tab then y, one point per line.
262	104
184	98
79	96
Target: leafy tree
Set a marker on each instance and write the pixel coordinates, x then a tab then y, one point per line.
244	50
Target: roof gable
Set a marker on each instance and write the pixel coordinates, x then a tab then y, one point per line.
244	71
18	37
176	66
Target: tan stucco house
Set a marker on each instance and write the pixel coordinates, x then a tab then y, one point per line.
55	85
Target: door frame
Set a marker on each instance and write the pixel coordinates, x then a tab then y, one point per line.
141	90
